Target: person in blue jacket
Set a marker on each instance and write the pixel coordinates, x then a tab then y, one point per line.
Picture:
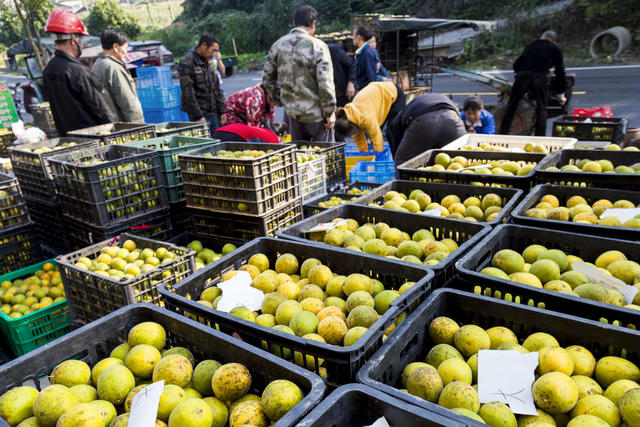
365	58
476	119
383	74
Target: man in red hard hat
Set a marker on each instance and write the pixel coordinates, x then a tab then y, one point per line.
77	96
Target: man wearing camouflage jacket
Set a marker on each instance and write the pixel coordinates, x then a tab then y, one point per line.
298	75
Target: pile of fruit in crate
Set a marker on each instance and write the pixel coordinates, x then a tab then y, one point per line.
596	166
486	146
610	147
240	155
552	270
572	388
578	210
356	190
451	206
335	201
206	256
202	394
310	301
24	296
306	157
41	150
444	162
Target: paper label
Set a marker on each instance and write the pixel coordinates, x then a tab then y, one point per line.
238	291
380	422
488	166
623	215
433	212
507	376
144	407
326	226
599	278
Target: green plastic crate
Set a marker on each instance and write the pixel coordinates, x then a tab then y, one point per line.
169	159
36	329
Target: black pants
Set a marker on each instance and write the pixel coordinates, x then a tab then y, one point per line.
536	84
397	106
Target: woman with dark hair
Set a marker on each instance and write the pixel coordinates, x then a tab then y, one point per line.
366	62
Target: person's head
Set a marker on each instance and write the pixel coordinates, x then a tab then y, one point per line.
114	42
306	17
472	108
343	126
549	35
67	30
372	42
207	46
360	35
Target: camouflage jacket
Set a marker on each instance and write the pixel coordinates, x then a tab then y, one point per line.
201	93
298	75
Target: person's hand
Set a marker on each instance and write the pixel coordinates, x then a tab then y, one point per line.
218	56
562	99
223	119
351	90
202	120
330	122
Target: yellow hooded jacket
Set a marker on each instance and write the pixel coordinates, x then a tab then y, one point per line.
368	110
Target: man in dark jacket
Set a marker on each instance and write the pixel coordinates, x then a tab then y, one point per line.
202	98
77	97
344	78
532	70
429	121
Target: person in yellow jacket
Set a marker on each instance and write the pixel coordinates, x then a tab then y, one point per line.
370	109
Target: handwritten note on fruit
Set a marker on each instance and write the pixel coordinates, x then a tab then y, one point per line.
506	376
623	215
238	291
144	406
600	278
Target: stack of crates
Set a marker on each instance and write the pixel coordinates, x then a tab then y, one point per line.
159	95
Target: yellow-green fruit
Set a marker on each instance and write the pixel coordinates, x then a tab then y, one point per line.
245	398
586	386
473	364
16	404
500	335
141	360
470	339
30	422
542	417
495	272
192	392
409	369
593	292
626	271
587	420
218	410
104	364
537	340
608	257
459	395
362	315
51	403
583	361
616	390
150	333
554	359
455	370
357	282
610	369
202	375
441	352
287	263
70	373
120	352
129	400
279	397
425	383
508	261
555	393
82	415
442	330
598	406
497	414
171	396
173	369
526	279
107	410
545	269
231	381
630	407
191	412
248	413
84	392
115	383
532	252
307	265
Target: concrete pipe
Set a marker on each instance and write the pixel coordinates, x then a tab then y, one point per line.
619	35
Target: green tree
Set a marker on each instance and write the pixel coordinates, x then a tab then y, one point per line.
108	14
35	13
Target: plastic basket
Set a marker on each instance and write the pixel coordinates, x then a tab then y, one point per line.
92	296
361	186
352	161
341	363
159	97
312	207
24	236
33	169
13	209
595	129
180	128
351	150
587	247
35	329
95	341
410	169
378	171
154	76
128	183
160	115
245	227
312	179
6	138
618	181
360	405
591	195
116	133
180	219
19	254
384	370
48	219
42	116
334	154
215	244
465	233
437	191
509	142
256	186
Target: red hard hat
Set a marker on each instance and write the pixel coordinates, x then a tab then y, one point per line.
66	22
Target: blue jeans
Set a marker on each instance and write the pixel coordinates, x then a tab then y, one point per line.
214	122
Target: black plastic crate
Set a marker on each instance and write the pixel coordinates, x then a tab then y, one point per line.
618	181
245	227
465	233
48	220
384	370
334	158
117	133
596	129
92	296
106	186
437	191
6	139
21	249
360	405
24	236
193	129
410	169
95	341
180	219
591	195
13	209
360	185
42	116
587	247
341	363
254	186
312	207
33	169
215	244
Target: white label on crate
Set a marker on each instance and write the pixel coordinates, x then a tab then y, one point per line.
487	165
326	226
144	407
433	212
380	422
506	376
238	291
599	278
623	215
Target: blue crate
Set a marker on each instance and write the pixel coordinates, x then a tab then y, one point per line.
379	171
162	115
154	98
351	150
154	76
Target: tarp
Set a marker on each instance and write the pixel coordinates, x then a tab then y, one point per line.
384	25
